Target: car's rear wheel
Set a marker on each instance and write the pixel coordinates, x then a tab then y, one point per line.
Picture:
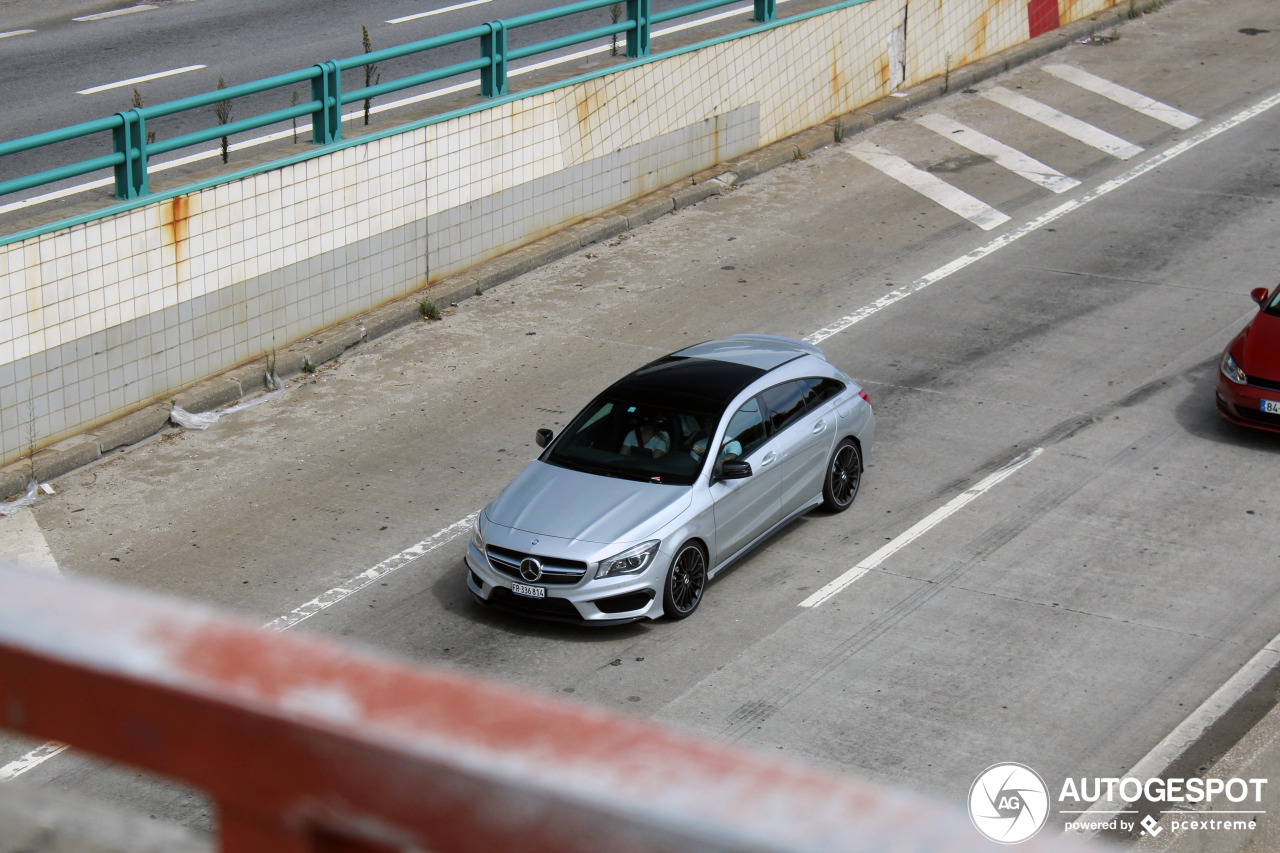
686	579
844	476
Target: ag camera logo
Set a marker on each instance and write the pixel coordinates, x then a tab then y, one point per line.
1008	803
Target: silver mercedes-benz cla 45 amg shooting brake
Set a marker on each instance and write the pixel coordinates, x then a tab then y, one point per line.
668	477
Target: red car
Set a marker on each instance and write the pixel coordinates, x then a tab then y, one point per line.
1249	374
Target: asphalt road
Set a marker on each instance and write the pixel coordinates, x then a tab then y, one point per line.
1068	618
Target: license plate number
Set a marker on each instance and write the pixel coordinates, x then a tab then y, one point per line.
529	591
1271	407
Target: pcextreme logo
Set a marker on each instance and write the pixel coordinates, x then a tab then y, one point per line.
1008	803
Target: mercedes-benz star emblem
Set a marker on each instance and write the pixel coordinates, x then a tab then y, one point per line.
530	569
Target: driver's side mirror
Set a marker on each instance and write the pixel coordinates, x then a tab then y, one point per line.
543	437
1259	295
733	469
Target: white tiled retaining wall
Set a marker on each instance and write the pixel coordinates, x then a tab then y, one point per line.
98	319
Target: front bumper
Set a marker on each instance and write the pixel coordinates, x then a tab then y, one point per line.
1242	405
607	601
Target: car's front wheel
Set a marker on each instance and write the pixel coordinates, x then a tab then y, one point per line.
686	579
844	475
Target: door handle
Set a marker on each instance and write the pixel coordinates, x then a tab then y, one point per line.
819	427
768	457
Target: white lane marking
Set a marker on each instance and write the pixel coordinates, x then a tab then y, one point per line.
34	758
453	8
141	7
931	186
1092	136
15	33
143	79
1039	222
325	600
24	544
1189	730
919	529
1125	97
1002	155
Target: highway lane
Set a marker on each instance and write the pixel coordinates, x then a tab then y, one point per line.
1069	618
172	49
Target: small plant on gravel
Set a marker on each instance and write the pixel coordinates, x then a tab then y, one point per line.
946	74
371	75
797	154
479	292
615	15
222	109
837	132
428	309
137	105
31	439
307	366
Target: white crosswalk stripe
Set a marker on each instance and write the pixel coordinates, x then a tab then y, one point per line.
952	198
1002	155
1092	136
1125	97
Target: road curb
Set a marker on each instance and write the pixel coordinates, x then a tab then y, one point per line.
248	380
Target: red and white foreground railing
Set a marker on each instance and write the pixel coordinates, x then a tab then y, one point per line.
306	745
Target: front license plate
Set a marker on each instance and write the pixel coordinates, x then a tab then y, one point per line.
1271	407
530	591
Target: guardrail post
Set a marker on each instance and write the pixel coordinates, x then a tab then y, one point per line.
326	87
766	11
638	38
493	47
130	140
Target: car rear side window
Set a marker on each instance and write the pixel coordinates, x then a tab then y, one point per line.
821	389
786	404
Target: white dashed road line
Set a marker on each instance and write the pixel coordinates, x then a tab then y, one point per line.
453	8
133	81
141	7
919	529
1002	155
1125	97
1082	131
930	186
15	33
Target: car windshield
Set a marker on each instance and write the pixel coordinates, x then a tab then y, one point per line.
1273	304
636	441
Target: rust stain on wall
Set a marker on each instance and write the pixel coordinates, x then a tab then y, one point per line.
175	227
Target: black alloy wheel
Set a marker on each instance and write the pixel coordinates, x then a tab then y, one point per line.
844	475
685	582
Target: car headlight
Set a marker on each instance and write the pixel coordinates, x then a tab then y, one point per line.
477	538
629	562
1232	371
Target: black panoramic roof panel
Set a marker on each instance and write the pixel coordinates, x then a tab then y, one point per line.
680	382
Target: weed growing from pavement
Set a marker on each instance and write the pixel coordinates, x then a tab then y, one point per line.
837	132
429	310
30	429
479	292
371	75
222	109
307	366
946	74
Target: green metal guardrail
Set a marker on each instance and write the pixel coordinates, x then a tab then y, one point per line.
131	151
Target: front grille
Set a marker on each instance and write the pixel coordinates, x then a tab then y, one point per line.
555	572
1269	384
551	608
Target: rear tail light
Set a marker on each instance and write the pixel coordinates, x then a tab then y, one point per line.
863	395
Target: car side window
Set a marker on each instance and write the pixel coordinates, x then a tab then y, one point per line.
821	389
745	431
786	403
